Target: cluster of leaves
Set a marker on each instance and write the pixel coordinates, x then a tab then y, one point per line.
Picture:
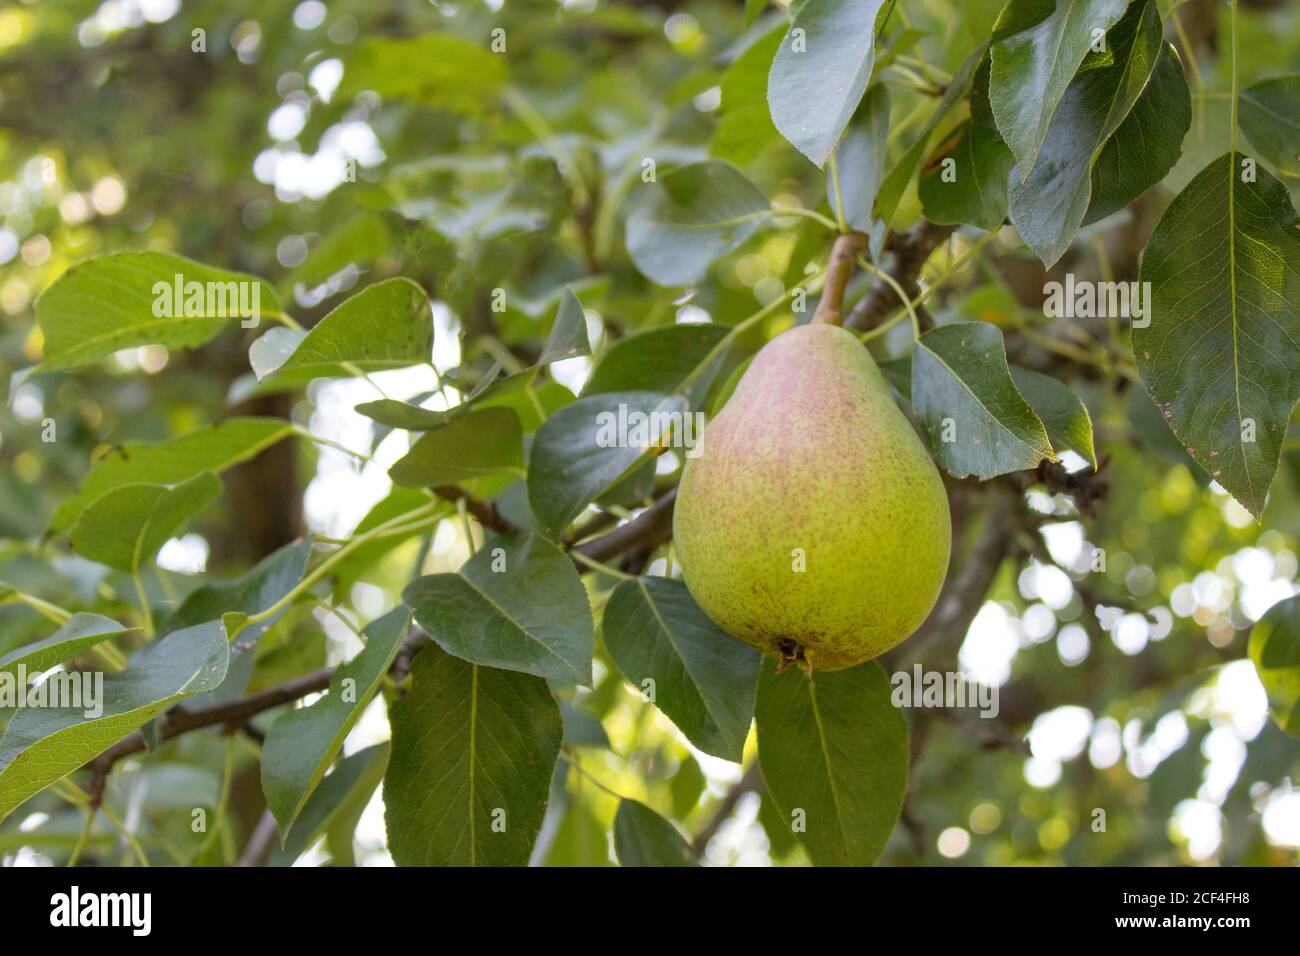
496	673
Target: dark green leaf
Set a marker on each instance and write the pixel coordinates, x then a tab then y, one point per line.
302	744
518	604
568	336
977	192
341	796
644	838
1048	204
1224	268
473	753
1037	48
1269	115
701	677
579	453
659	360
1061	411
834	757
896	180
1148	142
973	419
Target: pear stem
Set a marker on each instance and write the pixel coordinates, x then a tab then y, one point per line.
846	250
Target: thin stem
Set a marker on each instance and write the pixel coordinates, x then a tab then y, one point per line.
219	814
898	290
578	767
84	838
598	566
411	521
839	198
145	611
51	612
1234	76
744	324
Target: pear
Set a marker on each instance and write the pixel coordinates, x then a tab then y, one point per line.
813	524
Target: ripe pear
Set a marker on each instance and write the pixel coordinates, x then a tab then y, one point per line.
813	524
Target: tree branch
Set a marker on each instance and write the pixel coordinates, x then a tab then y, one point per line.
910	251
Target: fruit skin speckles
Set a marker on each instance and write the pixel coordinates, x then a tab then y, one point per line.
811	464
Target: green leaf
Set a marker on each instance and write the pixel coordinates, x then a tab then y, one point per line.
1038	45
977	194
1061	411
214	448
1269	114
703	678
436	69
44	744
1275	651
860	160
111	302
385	325
394	414
966	403
124	527
303	743
252	592
474	445
578	453
1048	205
896	180
518	604
834	750
568	336
82	631
688	785
644	838
820	72
659	360
1224	268
696	214
1147	144
745	127
341	797
473	753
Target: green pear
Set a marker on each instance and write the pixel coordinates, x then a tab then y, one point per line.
812	523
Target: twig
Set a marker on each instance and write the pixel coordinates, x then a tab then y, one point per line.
751	781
